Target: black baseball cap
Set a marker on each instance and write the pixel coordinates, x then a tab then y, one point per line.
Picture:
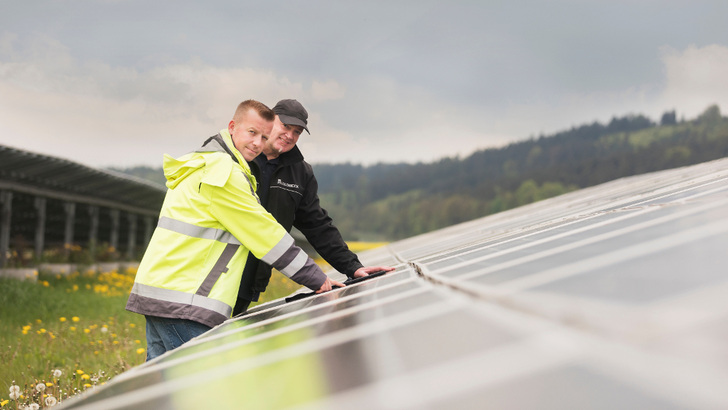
291	112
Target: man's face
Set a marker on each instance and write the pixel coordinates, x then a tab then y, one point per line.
282	138
249	133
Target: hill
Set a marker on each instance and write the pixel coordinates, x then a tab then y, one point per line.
393	201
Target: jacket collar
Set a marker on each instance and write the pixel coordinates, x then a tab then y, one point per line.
222	142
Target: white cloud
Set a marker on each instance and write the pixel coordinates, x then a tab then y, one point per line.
695	78
327	90
101	115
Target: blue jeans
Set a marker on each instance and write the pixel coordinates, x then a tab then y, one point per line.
165	334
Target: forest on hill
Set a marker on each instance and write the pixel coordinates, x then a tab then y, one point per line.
394	201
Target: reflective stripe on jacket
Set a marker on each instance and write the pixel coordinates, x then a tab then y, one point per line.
210	221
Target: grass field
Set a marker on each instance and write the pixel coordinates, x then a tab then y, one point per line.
64	334
67	333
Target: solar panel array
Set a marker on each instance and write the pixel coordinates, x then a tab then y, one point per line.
615	296
46	176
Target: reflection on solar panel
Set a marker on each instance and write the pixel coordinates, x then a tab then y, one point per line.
612	297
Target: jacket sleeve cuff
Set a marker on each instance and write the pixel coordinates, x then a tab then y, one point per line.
353	267
310	275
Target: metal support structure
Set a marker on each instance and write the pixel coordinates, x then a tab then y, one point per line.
47	193
6	207
131	244
70	210
40	222
148	230
114	240
93	212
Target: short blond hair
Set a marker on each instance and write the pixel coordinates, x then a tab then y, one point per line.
263	110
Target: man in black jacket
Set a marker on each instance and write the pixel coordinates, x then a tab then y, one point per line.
288	190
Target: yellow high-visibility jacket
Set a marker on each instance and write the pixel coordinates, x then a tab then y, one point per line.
210	220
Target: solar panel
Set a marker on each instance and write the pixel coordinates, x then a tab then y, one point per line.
614	296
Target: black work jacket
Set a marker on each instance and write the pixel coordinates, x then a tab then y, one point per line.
293	201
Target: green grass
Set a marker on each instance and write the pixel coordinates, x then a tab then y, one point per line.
76	324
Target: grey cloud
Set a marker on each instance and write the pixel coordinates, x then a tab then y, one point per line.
410	69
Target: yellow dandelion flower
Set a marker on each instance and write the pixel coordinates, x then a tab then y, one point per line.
140	350
63	319
75	319
4	402
132	325
38	321
41	331
85	377
73	328
96	352
88	286
137	341
25	331
116	342
86	330
87	385
45	283
75	287
49	384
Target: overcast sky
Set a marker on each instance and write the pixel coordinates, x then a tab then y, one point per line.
120	82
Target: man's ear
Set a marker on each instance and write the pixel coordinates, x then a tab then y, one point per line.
231	126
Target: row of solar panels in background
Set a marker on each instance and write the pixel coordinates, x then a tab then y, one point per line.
614	296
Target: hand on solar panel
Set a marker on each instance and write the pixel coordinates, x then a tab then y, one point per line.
330	284
367	270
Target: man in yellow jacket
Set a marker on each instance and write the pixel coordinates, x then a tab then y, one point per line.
210	221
